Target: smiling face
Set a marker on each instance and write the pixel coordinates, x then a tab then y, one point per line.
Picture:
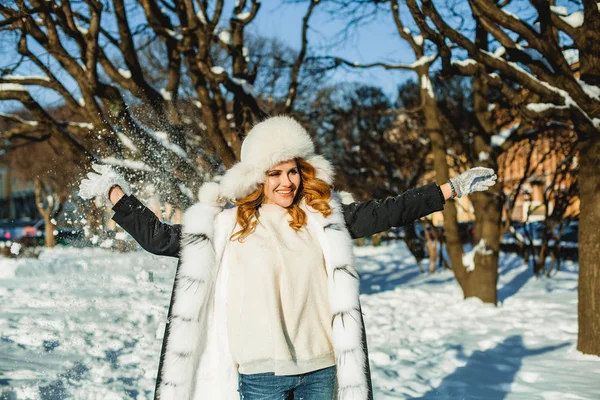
282	184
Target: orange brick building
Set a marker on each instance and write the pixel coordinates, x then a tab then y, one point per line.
541	158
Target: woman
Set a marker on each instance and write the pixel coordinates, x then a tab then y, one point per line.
265	301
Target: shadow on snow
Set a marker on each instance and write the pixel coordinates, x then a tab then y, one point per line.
516	283
487	374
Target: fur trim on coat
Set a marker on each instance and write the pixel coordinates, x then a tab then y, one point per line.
196	365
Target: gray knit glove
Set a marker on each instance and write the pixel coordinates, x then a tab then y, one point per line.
99	184
475	179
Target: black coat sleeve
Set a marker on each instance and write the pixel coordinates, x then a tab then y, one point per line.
374	216
141	223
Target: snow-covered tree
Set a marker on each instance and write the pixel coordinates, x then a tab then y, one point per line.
89	56
552	51
438	131
360	133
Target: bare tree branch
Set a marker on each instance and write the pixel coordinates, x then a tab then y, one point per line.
291	96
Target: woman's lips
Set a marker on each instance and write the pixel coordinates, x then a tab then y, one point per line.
286	193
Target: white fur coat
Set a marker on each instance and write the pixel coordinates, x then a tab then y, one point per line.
197	363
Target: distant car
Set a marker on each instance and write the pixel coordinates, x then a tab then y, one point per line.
21	229
531	232
569	236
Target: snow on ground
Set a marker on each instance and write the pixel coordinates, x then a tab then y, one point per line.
82	324
425	342
86	324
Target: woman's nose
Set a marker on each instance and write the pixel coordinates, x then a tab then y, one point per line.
285	180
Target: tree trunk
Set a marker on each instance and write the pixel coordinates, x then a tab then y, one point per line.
482	281
484	278
413	243
48	206
431	245
438	148
49	239
540	265
588	340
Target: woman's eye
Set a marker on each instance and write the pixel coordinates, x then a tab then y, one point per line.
294	171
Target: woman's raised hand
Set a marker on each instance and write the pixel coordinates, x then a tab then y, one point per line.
100	183
475	179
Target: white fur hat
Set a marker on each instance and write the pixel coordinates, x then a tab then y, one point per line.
270	142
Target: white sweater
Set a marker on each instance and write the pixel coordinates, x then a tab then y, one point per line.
278	313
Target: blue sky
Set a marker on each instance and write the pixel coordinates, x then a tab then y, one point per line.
371	42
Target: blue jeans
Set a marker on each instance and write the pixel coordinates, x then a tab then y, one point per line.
315	385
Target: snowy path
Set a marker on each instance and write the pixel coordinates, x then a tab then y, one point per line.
86	324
